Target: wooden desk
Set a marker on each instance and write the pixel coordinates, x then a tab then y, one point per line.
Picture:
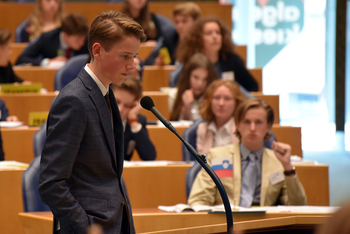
166	185
37	74
152	220
12	14
11	202
151	186
155	77
23	103
167	145
17	143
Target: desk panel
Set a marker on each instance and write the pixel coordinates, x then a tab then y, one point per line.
22	104
36	74
17	143
151	186
167	145
152	220
166	185
11	202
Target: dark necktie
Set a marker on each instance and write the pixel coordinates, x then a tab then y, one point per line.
109	106
68	52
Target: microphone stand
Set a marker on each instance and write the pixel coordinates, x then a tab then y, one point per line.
203	162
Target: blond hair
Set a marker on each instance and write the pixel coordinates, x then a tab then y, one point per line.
205	107
110	27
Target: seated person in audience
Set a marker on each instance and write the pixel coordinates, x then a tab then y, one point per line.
128	96
185	14
218	107
251	174
46	16
6	73
4	113
184	100
210	36
138	10
60	44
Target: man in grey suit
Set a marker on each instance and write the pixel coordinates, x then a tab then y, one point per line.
82	158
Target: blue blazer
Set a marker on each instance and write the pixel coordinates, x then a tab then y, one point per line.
144	146
46	46
82	160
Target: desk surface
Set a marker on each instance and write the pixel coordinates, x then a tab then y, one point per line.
10	200
147	220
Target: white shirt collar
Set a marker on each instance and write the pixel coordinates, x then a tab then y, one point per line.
227	126
103	89
63	44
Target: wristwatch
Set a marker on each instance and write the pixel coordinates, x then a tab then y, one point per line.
291	172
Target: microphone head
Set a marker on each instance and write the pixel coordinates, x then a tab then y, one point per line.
147	102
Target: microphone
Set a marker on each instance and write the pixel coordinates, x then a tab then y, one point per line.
147	103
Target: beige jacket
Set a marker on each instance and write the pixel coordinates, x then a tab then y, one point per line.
287	192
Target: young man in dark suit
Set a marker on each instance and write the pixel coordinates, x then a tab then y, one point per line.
82	159
59	44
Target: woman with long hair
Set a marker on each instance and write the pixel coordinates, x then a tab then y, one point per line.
210	36
218	107
46	16
138	10
197	74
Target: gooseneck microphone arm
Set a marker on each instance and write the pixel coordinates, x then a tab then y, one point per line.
147	103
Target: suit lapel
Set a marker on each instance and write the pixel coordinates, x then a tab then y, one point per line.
236	173
266	163
102	110
118	132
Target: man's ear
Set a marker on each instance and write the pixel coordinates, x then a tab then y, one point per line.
97	50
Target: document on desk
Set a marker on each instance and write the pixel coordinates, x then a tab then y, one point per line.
152	163
13	165
211	209
276	209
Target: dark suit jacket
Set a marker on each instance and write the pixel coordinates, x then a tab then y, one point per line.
169	41
46	46
234	63
144	146
8	76
82	160
3	110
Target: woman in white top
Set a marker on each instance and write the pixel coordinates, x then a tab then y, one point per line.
219	103
196	75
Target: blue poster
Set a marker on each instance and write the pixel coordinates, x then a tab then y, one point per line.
277	22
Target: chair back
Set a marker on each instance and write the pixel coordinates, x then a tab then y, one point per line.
39	140
166	25
190	135
20	32
69	71
30	193
191	176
